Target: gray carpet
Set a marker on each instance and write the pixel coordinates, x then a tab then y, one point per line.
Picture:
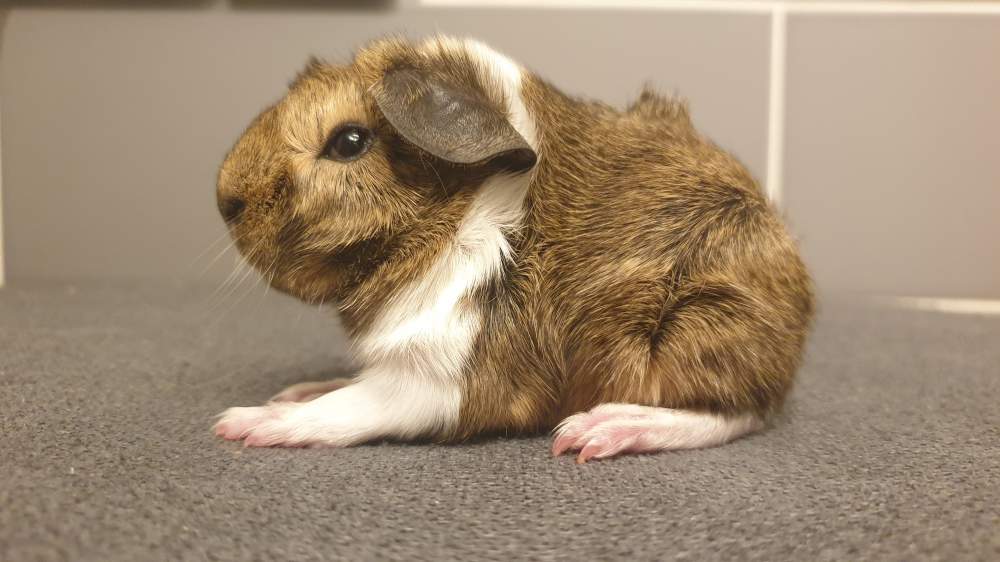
889	450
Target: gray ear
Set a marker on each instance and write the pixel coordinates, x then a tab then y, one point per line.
449	119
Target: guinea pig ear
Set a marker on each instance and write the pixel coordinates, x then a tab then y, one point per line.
451	120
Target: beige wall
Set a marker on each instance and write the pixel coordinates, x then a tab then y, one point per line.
891	155
116	117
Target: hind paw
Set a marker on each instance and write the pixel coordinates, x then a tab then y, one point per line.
614	429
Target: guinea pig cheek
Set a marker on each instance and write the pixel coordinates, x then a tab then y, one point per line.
318	185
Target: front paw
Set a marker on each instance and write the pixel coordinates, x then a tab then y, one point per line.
365	410
289	424
237	423
261	426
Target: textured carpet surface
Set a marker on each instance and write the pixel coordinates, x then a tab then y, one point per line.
889	450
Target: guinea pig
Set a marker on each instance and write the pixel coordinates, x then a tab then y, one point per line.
510	259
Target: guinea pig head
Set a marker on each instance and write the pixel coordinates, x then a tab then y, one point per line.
323	186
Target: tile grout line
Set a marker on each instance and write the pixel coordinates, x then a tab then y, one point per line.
902	7
4	13
691	5
2	269
776	106
735	6
946	305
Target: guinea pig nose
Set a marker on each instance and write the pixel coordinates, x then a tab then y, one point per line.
231	208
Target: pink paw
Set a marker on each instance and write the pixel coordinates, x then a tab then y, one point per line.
614	429
236	423
257	426
591	434
306	391
273	434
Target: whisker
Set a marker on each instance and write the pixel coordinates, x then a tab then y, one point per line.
221	302
267	275
241	297
235	280
207	250
217	256
246	274
216	298
237	270
270	276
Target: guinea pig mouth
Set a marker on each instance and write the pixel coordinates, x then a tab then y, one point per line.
317	277
361	257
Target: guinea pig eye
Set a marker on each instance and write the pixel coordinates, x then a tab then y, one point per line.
348	142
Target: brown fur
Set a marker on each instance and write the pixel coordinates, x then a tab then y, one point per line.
649	268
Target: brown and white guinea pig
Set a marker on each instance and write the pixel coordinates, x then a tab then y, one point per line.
510	259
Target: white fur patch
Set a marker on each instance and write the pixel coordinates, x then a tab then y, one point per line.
384	403
427	331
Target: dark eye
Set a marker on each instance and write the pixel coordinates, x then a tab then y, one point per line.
348	142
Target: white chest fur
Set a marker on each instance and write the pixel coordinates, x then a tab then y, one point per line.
424	337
